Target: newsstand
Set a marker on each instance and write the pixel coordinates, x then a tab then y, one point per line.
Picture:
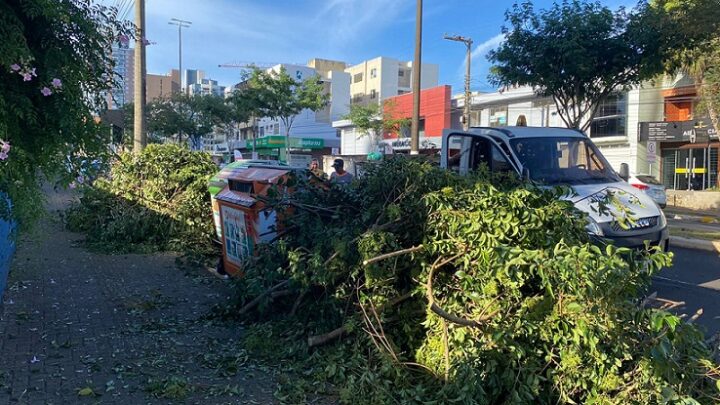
241	218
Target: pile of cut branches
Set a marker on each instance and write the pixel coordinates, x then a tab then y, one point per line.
474	289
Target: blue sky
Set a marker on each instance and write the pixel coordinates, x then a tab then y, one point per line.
348	30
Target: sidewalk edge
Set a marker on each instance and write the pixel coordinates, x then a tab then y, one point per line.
697	244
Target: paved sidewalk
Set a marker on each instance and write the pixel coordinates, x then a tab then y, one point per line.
82	327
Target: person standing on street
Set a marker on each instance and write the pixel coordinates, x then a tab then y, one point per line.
340	176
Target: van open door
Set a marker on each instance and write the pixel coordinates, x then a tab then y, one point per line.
463	152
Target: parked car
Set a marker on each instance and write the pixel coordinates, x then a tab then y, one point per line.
561	157
651	186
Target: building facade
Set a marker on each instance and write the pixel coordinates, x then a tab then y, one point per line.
161	86
622	128
437	112
378	79
124	58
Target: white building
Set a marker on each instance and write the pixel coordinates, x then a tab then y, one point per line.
124	58
614	129
314	124
378	79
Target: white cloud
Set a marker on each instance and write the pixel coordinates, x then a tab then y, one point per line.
485	47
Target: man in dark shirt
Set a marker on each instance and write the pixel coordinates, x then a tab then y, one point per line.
340	176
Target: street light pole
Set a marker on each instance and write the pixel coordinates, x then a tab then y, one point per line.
140	137
468	96
180	24
416	72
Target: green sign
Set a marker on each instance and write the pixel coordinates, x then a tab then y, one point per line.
275	141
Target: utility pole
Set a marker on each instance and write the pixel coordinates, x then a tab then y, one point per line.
180	24
416	72
468	96
140	140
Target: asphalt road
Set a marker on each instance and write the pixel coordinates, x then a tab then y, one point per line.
693	279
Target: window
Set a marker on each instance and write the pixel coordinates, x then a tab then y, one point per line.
563	160
468	153
357	98
357	78
610	119
373	73
498	116
373	94
276	129
338	133
401	73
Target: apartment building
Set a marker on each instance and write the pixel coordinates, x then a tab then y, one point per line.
378	79
124	58
311	131
161	86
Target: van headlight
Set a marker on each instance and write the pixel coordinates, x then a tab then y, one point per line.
593	228
663	220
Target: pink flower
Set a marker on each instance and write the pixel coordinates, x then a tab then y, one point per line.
26	77
80	179
46	91
72	185
15	67
123	39
4	146
32	72
57	83
3	155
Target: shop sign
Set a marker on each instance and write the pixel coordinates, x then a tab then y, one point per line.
694	131
274	141
404	143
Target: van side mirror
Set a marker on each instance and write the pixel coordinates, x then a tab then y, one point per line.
624	171
525	174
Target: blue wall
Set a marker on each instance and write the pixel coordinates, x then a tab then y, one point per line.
7	248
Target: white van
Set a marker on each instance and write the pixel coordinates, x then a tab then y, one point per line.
561	157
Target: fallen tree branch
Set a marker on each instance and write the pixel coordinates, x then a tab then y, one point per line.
319	340
443	313
297	302
392	254
252	304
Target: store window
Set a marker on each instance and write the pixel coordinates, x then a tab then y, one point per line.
498	116
357	78
276	129
611	117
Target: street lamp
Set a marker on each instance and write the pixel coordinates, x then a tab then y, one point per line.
180	24
468	96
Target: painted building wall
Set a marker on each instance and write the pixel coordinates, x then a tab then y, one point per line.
435	109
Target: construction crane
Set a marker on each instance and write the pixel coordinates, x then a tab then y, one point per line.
247	65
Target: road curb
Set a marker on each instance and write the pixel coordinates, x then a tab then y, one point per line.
697	244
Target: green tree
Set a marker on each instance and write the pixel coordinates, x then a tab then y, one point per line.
55	67
191	116
695	34
373	122
578	52
279	96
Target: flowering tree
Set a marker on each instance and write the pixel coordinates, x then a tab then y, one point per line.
55	67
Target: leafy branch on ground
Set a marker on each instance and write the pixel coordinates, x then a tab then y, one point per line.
419	285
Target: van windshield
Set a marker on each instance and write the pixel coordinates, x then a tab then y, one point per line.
563	160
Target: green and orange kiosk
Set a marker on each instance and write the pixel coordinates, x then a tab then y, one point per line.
241	218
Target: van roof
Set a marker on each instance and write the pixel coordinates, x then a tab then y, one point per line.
530	132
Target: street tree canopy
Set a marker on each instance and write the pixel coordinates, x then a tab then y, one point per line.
578	52
695	30
373	120
191	116
278	96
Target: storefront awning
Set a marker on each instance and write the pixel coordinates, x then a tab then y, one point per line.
703	145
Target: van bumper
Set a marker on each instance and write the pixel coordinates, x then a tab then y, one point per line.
656	238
